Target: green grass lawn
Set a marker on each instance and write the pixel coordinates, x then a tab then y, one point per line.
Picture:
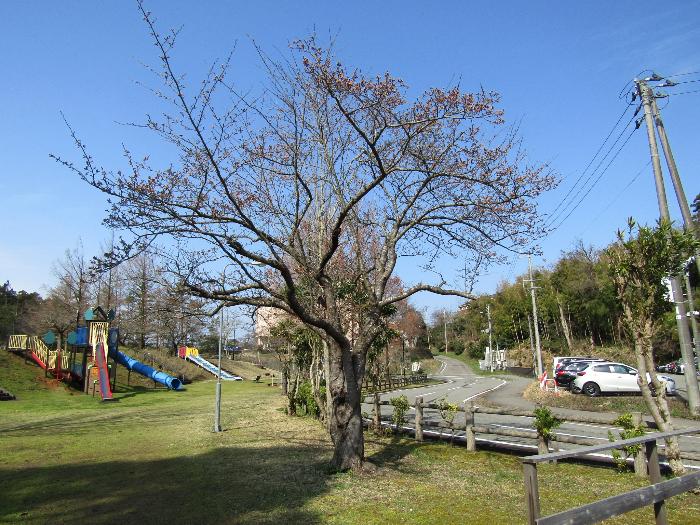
151	457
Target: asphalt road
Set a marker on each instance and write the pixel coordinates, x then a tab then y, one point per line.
462	385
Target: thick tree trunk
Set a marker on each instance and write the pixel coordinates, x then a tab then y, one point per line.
345	415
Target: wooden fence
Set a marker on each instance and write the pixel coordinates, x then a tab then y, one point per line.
471	428
655	494
392	383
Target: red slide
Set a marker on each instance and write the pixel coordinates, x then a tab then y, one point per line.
103	371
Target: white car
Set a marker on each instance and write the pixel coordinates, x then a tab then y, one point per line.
614	377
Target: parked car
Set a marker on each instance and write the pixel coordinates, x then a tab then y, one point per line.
561	362
613	377
679	366
566	375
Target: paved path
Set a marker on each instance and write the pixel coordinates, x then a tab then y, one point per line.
460	384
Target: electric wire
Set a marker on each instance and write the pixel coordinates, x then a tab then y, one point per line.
596	180
619	194
683	82
683	93
554	217
589	164
683	74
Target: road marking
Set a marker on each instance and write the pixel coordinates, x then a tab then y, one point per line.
485	391
558	433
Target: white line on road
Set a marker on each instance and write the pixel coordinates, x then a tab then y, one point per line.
485	391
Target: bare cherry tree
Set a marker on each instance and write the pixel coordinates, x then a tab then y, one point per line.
313	190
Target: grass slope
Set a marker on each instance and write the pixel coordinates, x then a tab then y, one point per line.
151	458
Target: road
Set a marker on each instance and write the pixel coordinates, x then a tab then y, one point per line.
462	385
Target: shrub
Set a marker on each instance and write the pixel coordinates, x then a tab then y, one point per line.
629	430
545	422
401	406
447	410
305	399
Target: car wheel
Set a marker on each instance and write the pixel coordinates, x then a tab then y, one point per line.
591	389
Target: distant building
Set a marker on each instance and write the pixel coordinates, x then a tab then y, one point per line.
267	317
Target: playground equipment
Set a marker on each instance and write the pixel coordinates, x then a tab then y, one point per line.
137	366
84	358
192	354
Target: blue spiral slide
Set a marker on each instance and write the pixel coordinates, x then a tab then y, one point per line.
130	363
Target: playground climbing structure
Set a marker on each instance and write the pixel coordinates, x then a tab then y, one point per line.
84	357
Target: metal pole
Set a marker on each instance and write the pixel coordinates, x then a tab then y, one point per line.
676	289
445	320
403	355
217	409
532	343
534	315
691	308
488	315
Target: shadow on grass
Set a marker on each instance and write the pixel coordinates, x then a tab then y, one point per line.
391	454
227	485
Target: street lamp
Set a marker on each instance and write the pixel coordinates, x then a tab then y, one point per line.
217	409
217	402
403	354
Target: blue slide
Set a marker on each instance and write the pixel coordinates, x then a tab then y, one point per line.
137	366
209	367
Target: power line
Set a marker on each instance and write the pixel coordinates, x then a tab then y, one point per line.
683	93
555	216
684	82
596	180
619	194
590	163
683	74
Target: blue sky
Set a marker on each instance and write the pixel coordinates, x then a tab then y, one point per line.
559	67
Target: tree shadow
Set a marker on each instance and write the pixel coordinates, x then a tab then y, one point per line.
391	455
227	485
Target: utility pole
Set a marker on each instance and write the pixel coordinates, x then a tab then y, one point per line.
532	343
538	348
691	308
687	353
488	315
445	320
688	223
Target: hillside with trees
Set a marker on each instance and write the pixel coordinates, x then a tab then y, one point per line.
578	313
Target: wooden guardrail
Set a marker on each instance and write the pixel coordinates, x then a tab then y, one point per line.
471	428
655	494
393	383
